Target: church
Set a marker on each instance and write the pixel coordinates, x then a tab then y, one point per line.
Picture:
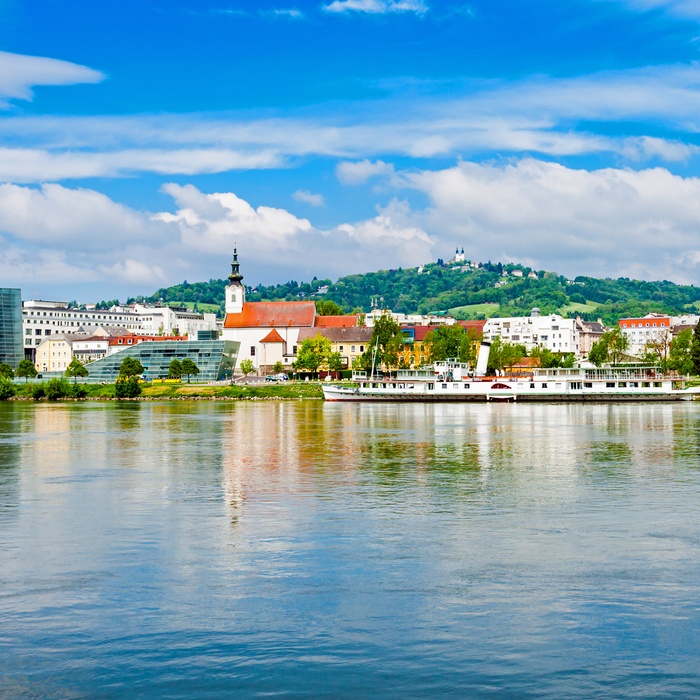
268	331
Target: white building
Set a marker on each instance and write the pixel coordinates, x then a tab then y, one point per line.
553	332
41	319
408	319
652	329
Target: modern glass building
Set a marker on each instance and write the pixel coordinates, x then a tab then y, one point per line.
11	348
216	359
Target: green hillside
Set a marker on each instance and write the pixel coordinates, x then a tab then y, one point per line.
464	292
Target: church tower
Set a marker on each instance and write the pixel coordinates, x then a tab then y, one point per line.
235	291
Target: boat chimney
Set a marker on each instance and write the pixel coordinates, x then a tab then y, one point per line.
483	359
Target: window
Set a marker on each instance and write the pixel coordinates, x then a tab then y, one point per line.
252	350
294	349
544	385
352	348
362	348
622	384
588	385
340	349
610	385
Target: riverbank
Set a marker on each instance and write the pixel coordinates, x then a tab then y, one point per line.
168	391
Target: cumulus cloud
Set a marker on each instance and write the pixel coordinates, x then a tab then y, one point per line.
357	173
315	200
377	6
18	74
283	13
615	222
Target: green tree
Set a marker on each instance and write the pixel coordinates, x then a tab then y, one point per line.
469	346
335	362
76	369
679	358
127	387
445	342
695	350
598	354
247	366
278	367
313	353
6	371
512	354
495	361
387	340
326	307
7	389
175	369
130	367
26	369
189	368
656	352
57	389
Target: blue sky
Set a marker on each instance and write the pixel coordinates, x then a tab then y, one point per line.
140	140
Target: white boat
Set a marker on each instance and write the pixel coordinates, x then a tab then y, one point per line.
455	381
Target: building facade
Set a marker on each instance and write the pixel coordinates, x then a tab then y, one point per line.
642	333
552	332
11	349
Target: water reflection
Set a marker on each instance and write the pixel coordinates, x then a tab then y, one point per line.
171	549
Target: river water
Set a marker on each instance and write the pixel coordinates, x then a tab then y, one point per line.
297	549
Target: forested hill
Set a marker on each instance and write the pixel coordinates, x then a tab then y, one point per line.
465	292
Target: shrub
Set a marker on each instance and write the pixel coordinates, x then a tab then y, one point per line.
57	389
127	388
77	391
7	390
38	392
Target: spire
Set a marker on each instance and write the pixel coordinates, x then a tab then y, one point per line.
235	277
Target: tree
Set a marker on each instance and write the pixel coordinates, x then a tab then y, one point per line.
656	352
278	367
512	354
313	353
335	362
326	307
387	339
695	350
7	389
679	358
76	369
611	347
247	366
26	369
130	367
598	354
188	368
6	371
175	369
445	342
127	387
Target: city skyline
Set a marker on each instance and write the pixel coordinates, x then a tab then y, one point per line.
140	141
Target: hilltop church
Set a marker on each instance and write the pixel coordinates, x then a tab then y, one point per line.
268	331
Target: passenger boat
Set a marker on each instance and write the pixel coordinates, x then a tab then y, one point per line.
455	381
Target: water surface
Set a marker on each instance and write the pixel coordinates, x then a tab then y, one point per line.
213	549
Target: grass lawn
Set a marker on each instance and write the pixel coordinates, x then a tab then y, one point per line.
472	311
575	308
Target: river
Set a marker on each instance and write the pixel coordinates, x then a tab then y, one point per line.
301	549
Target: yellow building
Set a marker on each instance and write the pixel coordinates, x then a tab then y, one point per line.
54	354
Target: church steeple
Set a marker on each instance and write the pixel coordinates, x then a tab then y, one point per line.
235	277
235	291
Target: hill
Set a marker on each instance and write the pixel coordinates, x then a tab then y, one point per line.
463	291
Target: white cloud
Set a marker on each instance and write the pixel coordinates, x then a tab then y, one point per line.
614	222
377	6
682	8
358	173
315	200
18	74
284	13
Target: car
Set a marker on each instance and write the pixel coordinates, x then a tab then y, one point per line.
281	377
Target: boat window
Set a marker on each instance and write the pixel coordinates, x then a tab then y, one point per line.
532	386
466	386
610	385
544	385
622	384
646	385
635	384
588	385
444	386
431	386
658	384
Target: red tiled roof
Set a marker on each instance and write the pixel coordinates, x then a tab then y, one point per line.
336	321
268	314
356	334
419	332
273	337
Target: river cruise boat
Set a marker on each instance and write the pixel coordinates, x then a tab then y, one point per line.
453	381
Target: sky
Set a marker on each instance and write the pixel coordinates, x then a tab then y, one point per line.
141	140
